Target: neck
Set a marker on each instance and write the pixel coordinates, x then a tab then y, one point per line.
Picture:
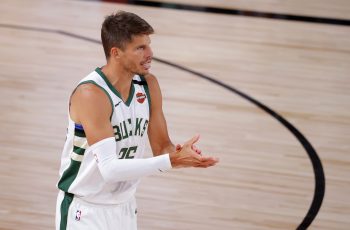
119	78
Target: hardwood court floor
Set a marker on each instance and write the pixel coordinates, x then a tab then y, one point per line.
317	8
264	180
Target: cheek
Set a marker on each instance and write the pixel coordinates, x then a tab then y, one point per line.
132	63
139	55
134	57
138	59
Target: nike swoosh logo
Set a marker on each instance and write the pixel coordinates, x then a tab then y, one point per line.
117	104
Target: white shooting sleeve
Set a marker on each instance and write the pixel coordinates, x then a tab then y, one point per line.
114	169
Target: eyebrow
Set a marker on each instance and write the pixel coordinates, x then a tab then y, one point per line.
140	46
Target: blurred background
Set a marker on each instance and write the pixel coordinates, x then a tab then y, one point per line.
293	56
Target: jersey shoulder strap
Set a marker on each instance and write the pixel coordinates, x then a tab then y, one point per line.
141	80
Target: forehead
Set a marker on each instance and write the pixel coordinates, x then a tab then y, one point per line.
139	40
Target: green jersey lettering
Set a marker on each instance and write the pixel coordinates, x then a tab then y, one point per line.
138	126
130	125
125	134
117	133
144	127
129	128
127	153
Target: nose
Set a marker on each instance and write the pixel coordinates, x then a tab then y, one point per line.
149	52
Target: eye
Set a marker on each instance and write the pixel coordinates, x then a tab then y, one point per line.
140	48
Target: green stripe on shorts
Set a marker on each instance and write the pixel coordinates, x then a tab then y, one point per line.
66	202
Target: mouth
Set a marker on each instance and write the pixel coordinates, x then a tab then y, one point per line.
146	65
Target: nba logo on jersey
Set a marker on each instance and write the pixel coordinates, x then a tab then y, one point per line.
78	215
140	97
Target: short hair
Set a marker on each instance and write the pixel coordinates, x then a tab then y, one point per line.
119	28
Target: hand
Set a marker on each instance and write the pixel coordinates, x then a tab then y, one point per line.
190	156
178	147
197	150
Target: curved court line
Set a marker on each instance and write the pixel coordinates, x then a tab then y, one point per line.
242	12
315	160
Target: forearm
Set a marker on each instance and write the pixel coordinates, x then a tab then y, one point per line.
113	169
167	147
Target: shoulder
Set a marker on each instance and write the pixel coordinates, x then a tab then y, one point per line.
89	96
154	90
89	91
152	82
150	78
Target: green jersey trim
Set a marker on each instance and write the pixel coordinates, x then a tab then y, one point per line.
71	172
66	202
79	133
69	175
78	150
114	90
105	91
147	91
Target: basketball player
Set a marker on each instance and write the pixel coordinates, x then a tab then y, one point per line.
112	113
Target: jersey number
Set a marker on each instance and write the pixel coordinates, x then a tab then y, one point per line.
127	153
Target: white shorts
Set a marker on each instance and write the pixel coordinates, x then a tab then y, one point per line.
73	213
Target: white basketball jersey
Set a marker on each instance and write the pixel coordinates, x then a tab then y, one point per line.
79	174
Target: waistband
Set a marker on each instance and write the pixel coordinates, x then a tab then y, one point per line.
92	202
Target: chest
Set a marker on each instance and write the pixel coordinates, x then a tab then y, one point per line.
130	119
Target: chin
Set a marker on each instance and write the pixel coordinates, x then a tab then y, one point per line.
143	72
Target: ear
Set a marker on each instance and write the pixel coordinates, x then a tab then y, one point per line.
115	52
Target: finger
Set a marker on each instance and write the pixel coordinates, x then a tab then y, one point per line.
206	164
178	147
201	166
210	162
197	150
192	140
197	157
208	158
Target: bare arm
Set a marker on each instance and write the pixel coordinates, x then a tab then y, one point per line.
157	129
186	156
91	108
